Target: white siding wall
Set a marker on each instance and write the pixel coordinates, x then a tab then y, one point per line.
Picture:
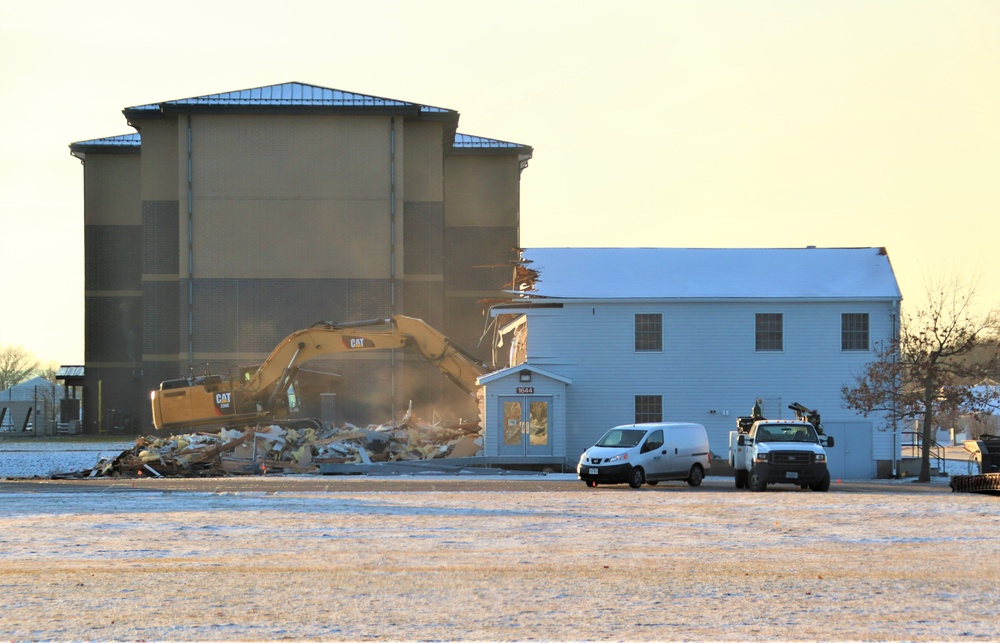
708	363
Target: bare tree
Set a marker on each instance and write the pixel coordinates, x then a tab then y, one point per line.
48	372
16	365
932	369
49	398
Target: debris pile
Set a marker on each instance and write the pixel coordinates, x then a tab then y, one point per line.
257	450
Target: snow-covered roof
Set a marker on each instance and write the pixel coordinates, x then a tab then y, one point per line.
712	273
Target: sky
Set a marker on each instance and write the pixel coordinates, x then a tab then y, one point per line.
661	123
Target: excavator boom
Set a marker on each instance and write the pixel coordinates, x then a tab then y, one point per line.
218	400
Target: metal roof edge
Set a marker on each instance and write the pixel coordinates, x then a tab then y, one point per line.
675	300
287	98
122	144
470	144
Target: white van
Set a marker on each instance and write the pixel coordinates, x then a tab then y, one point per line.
638	453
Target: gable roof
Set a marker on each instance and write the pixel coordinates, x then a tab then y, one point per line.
287	97
504	372
711	273
25	391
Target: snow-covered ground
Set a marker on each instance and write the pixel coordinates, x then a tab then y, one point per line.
559	562
27	458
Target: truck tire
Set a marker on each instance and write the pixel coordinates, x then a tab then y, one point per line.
822	485
591	483
636	478
741	479
696	475
756	483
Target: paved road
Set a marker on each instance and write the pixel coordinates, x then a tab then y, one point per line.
494	483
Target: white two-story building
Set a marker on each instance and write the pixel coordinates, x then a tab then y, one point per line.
611	336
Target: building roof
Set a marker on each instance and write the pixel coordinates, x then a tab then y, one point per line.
286	97
711	273
466	144
519	368
124	143
26	391
68	372
133	143
299	98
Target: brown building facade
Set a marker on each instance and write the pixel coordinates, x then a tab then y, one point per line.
231	220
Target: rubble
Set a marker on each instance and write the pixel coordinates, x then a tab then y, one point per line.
258	450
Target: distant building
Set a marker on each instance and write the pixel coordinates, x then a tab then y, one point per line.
228	221
32	406
611	336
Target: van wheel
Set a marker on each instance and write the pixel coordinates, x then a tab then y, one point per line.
696	475
636	478
741	479
756	483
653	483
822	485
590	483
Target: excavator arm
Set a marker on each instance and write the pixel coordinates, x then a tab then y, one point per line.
462	367
218	400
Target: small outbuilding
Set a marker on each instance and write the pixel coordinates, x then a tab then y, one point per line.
527	410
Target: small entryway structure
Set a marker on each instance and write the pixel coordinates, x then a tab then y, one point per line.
524	416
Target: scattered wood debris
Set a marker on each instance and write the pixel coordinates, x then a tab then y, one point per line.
258	450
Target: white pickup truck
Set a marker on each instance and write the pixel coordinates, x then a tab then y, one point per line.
779	451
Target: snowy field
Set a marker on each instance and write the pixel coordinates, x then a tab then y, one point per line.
27	458
557	562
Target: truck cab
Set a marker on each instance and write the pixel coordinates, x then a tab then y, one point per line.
779	451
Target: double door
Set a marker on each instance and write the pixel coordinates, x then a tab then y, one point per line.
525	425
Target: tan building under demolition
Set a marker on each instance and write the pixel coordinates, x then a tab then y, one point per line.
231	220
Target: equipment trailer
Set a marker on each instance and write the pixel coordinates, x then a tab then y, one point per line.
985	455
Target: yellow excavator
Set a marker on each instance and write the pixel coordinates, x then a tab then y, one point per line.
221	400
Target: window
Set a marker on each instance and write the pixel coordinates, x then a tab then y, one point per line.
769	332
854	332
648	408
648	332
653	442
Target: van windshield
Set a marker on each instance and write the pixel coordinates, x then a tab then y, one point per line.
621	438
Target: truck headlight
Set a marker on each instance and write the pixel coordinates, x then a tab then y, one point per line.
618	458
820	457
761	457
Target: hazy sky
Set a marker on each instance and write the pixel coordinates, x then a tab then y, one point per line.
663	123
